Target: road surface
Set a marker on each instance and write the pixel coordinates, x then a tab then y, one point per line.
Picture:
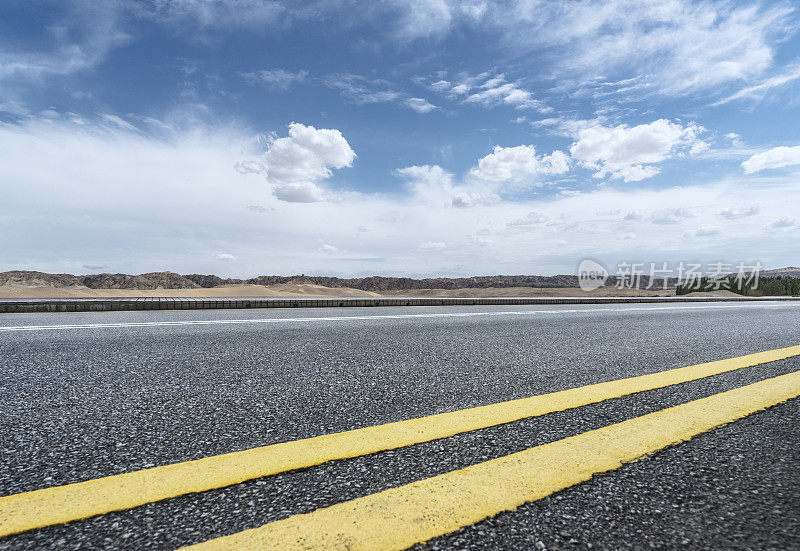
85	396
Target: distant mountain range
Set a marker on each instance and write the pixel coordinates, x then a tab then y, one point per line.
170	280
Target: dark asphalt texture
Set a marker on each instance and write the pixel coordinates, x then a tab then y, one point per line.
84	403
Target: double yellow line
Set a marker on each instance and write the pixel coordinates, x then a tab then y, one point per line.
401	517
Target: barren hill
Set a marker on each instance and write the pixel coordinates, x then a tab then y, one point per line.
155	281
789	271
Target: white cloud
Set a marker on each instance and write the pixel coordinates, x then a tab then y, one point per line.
361	90
405	20
783	223
219	14
496	91
225	256
517	164
635	173
101	181
670	216
275	78
250	167
530	219
676	47
81	39
735	139
114	120
422	18
467	199
706	231
303	192
433	185
480	240
474	9
489	89
629	153
420	105
734	213
497	173
423	177
679	46
759	91
328	249
777	157
296	164
433	246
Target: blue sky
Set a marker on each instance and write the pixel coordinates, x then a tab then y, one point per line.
426	137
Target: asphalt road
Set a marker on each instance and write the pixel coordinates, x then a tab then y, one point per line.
163	387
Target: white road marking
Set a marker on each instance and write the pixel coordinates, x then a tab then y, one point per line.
11	328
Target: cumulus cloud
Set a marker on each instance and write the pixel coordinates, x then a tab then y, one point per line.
295	164
630	153
423	177
520	163
192	174
777	157
431	184
303	192
225	256
496	174
249	167
275	78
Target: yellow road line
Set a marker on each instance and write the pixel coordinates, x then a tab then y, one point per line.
417	512
59	504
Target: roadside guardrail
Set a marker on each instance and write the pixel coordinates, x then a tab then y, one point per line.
207	303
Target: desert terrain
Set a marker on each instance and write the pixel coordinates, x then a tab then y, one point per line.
29	284
311	290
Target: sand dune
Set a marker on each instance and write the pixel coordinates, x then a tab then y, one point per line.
280	290
310	290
